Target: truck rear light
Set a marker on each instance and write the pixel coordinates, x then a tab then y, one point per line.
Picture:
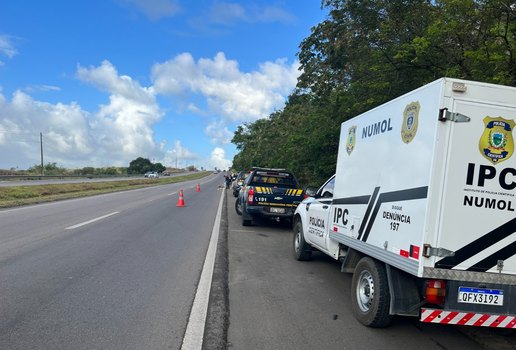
250	196
435	292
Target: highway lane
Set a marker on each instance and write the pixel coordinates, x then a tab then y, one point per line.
276	302
116	271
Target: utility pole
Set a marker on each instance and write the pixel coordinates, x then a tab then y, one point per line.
41	147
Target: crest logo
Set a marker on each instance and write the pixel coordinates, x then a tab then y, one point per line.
410	122
350	142
496	143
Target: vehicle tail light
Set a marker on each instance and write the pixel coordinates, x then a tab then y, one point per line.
435	292
250	196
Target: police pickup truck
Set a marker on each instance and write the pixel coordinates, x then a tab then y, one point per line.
268	193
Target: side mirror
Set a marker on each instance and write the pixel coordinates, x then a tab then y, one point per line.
311	191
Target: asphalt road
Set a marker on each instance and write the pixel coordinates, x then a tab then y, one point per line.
117	271
120	271
276	302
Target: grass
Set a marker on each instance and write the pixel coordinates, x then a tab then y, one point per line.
34	194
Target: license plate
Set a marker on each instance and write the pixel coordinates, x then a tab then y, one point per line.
278	210
480	296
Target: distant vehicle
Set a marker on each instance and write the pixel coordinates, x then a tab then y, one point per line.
273	193
238	181
151	174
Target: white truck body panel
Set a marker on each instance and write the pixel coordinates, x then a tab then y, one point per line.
406	179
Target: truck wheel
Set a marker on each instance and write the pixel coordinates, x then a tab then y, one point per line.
302	250
238	206
370	296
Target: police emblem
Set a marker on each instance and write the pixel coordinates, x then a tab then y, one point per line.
496	143
350	142
410	122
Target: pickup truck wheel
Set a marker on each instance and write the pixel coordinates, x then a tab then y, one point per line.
302	250
238	206
370	296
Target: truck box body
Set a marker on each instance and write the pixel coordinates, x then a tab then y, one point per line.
433	186
426	184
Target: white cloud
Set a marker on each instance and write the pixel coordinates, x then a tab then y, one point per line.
33	88
64	127
274	14
218	159
155	9
124	126
230	13
121	129
118	132
227	13
235	95
219	133
6	46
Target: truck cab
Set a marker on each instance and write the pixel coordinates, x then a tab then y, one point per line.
313	214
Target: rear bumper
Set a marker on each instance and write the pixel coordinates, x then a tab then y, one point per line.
259	210
468	318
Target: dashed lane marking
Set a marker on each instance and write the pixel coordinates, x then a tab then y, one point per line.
91	221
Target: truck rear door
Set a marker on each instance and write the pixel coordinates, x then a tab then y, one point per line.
478	217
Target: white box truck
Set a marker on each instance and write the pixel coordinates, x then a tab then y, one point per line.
421	208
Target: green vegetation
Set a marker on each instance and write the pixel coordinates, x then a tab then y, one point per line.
142	165
24	195
138	166
368	52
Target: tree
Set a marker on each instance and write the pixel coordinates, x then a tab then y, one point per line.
368	52
88	171
158	167
139	166
48	169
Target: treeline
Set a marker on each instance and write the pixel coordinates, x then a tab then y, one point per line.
368	52
137	166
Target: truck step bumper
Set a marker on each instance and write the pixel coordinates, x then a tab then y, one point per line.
467	318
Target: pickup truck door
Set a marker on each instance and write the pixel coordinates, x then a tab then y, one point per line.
318	218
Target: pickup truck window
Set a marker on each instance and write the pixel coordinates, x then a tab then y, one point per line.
327	190
274	180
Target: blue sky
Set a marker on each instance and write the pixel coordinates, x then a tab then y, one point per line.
106	81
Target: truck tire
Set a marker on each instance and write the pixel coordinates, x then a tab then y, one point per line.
370	296
302	250
247	219
238	206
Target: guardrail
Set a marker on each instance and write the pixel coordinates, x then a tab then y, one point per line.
61	177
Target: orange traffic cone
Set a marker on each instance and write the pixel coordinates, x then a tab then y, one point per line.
198	188
181	201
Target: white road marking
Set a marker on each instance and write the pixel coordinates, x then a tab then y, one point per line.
171	194
92	220
195	328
